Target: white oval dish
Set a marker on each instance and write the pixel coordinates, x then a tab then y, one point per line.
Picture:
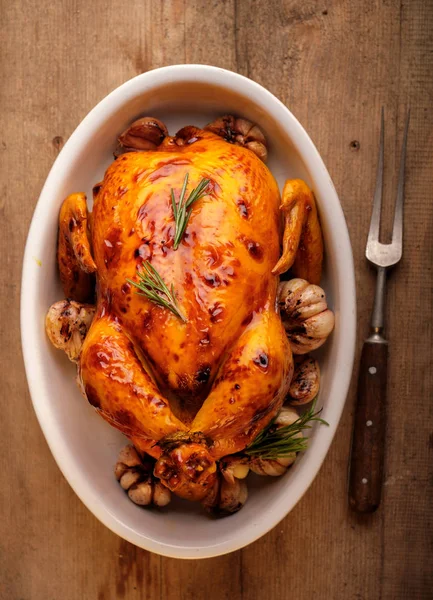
84	446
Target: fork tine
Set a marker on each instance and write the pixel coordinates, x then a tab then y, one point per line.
373	234
397	230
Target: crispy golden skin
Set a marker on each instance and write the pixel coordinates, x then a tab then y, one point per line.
189	393
250	386
221	271
118	386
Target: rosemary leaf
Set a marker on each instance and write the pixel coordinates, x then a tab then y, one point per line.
180	209
273	442
152	286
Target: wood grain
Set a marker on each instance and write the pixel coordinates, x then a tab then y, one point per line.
334	64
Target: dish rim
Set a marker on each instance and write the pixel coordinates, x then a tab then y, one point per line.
307	151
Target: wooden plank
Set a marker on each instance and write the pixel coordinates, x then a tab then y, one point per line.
408	487
334	64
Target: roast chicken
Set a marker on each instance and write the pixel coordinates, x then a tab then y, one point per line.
196	384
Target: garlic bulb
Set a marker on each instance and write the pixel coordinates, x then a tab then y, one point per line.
305	383
135	477
67	323
305	314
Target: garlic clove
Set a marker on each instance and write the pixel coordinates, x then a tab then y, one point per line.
301	344
223	126
210	501
129	456
312	302
256	134
141	493
319	326
226	497
243	126
232	496
119	470
286	461
259	150
286	416
130	478
270	467
234	467
289	292
302	300
305	383
161	494
240	471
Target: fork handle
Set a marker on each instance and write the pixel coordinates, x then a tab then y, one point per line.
368	442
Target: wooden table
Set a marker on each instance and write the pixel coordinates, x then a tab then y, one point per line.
334	64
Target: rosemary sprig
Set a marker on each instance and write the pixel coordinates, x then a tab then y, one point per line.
182	209
153	287
273	443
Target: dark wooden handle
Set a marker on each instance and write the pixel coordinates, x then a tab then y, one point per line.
368	443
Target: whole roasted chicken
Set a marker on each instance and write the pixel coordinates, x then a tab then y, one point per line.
186	351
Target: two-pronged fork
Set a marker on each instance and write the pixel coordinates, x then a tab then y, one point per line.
368	443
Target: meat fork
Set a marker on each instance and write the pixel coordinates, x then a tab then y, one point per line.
368	442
